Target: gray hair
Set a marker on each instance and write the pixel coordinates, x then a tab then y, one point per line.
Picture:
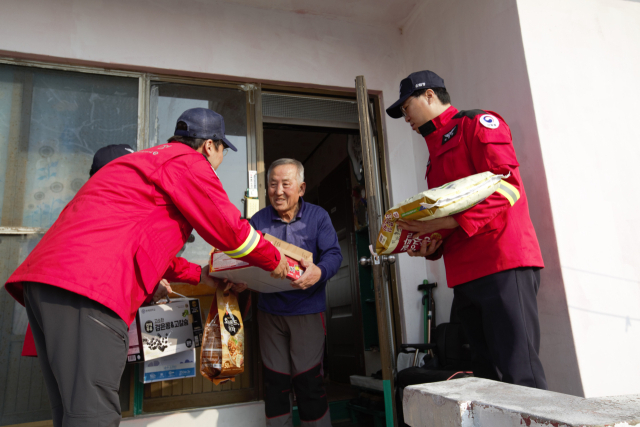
281	162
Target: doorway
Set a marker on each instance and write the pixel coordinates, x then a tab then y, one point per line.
334	179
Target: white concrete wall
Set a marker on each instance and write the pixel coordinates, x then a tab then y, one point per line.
219	39
583	58
477	49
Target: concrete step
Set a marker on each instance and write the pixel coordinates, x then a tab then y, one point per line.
476	402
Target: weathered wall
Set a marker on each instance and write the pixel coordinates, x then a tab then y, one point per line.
583	61
477	49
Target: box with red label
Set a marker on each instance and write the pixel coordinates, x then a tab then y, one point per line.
222	266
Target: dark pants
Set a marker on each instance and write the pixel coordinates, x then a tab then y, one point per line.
292	348
499	313
82	347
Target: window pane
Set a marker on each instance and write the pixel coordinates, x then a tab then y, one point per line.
51	124
168	102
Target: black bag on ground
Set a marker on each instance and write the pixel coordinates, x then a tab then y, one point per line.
454	352
452	360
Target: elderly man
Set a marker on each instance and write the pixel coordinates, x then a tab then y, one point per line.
291	323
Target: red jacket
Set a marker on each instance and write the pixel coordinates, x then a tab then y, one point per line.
114	241
496	234
180	270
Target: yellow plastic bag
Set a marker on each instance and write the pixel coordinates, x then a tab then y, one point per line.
449	199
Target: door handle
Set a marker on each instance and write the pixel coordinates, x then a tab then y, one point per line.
390	259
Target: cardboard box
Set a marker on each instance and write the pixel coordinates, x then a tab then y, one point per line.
292	251
223	267
171	328
176	366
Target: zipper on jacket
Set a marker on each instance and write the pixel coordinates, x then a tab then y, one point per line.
104	325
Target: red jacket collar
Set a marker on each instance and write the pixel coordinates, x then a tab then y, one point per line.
438	122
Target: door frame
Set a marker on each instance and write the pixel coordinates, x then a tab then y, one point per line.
393	332
375	96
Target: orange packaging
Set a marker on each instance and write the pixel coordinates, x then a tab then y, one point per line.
222	353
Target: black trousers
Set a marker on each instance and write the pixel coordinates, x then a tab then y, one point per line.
82	347
499	313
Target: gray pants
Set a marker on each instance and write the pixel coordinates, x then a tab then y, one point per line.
82	347
292	348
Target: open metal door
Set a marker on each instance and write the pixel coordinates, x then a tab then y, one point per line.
379	264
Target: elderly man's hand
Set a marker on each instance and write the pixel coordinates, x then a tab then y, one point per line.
426	249
310	276
164	289
282	269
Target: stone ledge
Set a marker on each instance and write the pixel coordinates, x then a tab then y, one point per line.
476	402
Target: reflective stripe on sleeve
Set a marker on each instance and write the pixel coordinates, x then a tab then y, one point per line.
245	248
510	192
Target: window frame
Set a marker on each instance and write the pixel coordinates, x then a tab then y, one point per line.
252	91
254	132
142	106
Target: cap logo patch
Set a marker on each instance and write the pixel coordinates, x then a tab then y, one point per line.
489	121
421	84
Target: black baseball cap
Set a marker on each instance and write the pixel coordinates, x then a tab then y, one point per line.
107	154
416	81
204	124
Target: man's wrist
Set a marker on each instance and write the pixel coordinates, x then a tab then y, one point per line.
323	272
452	223
467	226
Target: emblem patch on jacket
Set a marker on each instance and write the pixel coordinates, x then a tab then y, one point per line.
447	136
489	121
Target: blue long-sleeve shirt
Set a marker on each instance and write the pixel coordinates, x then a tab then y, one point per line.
311	230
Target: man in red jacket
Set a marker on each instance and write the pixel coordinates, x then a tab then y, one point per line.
179	270
84	281
492	258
